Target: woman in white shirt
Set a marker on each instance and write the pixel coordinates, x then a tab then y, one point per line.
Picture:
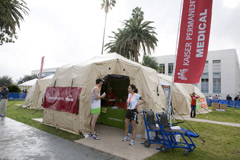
131	115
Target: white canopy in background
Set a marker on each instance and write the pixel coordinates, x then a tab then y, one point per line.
28	83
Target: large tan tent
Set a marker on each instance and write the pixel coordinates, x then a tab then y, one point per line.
34	99
84	74
181	99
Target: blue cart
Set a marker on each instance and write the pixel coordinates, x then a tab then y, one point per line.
152	129
169	134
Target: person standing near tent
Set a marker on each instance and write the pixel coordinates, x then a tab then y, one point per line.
4	99
132	103
194	98
96	107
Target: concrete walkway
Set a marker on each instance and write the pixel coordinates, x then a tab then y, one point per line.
209	121
21	142
111	142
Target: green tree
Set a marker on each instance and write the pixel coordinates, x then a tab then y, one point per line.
137	34
14	88
27	78
150	62
5	80
10	16
115	45
137	13
106	5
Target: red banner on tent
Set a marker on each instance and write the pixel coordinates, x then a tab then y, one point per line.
193	40
65	99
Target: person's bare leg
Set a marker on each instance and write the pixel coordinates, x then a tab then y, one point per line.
134	127
126	125
93	122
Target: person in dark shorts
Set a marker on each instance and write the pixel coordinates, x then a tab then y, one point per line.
132	113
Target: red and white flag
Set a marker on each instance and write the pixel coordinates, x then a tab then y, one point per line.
41	68
193	41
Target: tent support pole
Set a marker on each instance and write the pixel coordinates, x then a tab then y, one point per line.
34	111
10	105
169	105
18	108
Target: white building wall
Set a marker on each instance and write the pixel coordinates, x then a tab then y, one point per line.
237	76
229	68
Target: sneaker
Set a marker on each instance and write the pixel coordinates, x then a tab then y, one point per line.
93	136
96	133
132	142
126	138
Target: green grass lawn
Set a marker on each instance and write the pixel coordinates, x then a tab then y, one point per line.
25	116
231	115
221	142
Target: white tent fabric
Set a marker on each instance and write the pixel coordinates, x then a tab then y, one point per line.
34	99
85	73
28	83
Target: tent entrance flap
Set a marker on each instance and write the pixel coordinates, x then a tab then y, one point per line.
116	88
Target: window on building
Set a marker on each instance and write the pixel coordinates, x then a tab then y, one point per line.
216	61
216	66
170	69
162	68
216	82
45	74
206	67
204	83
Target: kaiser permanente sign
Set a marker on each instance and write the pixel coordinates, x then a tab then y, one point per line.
193	40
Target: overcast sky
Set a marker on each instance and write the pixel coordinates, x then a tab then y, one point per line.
67	31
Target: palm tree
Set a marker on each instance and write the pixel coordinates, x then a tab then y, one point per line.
106	5
137	13
137	34
140	35
116	45
10	17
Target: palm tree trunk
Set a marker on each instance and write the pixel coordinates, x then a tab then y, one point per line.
104	32
135	52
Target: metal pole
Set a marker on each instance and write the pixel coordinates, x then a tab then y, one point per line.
104	33
169	107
